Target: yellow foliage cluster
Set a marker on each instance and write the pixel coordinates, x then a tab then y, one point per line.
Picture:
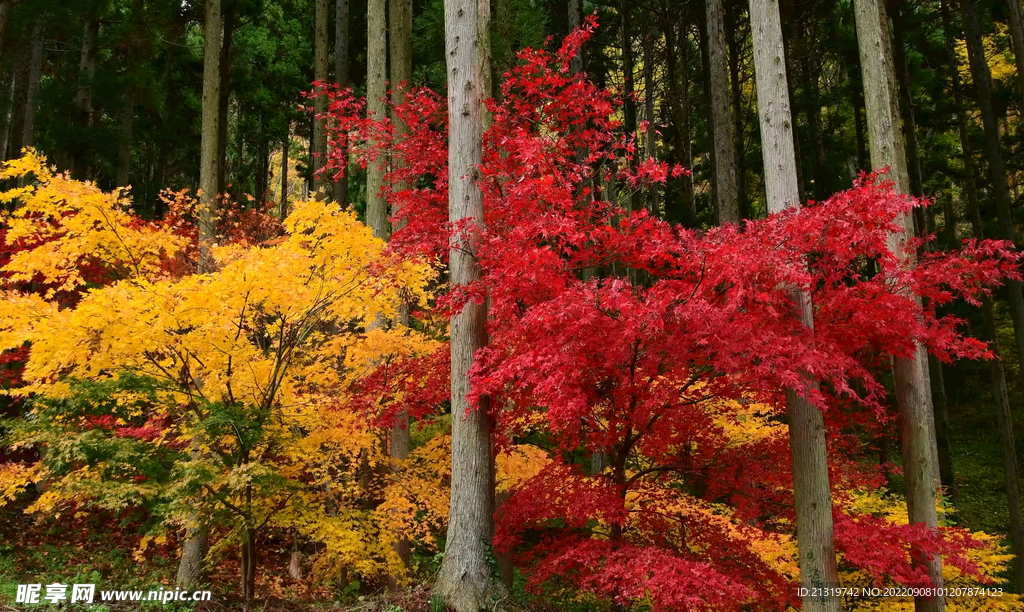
72	223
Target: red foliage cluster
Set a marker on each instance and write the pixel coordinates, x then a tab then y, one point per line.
634	365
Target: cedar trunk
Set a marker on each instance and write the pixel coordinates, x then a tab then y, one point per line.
400	39
209	163
723	160
811	488
464	580
341	37
322	184
913	392
997	172
376	75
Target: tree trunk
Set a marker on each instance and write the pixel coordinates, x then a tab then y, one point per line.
285	145
322	183
400	40
913	393
20	71
83	97
574	12
464	580
906	105
811	488
35	74
341	43
812	108
679	103
651	202
737	114
628	87
376	75
124	148
1004	414
248	567
190	568
5	18
723	159
209	164
997	172
224	96
1017	36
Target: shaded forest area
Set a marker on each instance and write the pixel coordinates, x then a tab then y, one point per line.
689	383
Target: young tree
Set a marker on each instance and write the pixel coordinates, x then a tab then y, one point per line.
913	391
811	488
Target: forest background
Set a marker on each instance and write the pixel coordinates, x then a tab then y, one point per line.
118	93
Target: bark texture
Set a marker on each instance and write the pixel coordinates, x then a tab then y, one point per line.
811	486
913	391
1017	36
322	184
209	163
400	43
464	580
727	203
190	568
376	76
35	74
341	54
83	97
1001	190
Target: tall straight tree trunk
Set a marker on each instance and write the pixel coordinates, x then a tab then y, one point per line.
997	170
124	147
651	202
18	101
811	488
224	95
906	106
376	76
628	86
400	41
809	69
913	392
341	43
5	18
723	160
35	75
210	160
285	145
1004	415
190	568
322	186
574	12
1017	36
464	580
679	103
997	173
83	97
737	114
